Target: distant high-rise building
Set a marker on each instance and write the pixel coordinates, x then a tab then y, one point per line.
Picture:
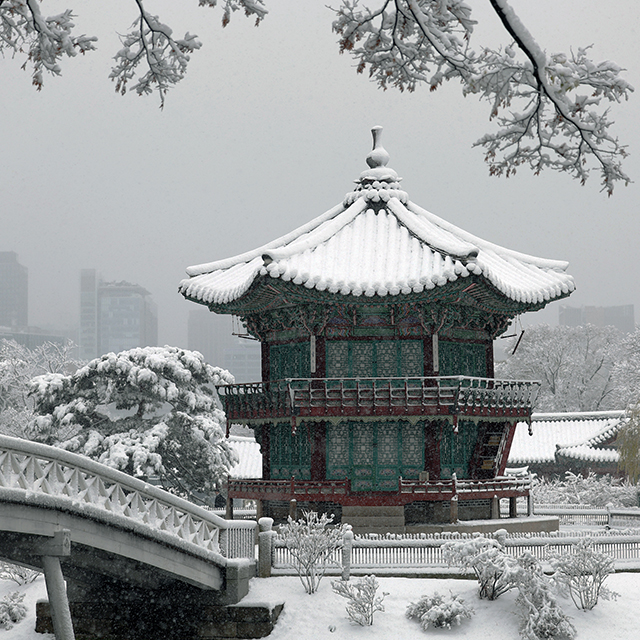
213	336
14	291
208	333
622	317
114	316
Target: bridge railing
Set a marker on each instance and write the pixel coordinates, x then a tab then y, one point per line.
43	474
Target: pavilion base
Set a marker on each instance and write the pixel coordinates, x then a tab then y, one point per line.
525	524
417	517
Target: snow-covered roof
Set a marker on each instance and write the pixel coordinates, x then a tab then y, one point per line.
248	450
571	435
378	242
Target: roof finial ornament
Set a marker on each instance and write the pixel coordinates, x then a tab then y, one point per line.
378	156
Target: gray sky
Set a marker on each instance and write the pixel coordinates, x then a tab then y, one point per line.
268	130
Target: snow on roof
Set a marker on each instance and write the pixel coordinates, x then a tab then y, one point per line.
572	435
248	450
378	242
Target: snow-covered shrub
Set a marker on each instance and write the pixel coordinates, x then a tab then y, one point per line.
363	601
150	411
496	570
311	541
581	573
439	611
12	610
19	575
592	490
541	617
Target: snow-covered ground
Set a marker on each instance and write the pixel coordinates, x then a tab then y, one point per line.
322	615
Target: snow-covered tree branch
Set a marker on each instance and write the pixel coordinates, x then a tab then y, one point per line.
550	109
547	107
18	365
574	364
150	412
44	41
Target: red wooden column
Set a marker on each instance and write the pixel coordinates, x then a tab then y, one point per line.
319	451
432	435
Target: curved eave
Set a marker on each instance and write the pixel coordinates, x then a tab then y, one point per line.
266	293
383	250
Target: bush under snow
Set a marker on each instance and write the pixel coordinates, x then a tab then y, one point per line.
311	541
581	573
363	601
441	612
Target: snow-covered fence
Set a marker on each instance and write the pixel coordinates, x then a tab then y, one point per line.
407	553
38	474
581	514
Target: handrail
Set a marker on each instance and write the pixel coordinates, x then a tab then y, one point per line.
459	394
38	469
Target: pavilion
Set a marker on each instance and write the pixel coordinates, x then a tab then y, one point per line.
377	321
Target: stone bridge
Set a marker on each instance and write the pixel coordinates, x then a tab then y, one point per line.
137	560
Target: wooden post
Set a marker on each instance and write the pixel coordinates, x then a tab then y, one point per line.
265	547
495	508
513	507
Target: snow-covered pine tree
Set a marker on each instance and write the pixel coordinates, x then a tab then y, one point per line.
550	109
150	412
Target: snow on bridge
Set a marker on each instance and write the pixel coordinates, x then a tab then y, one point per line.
59	510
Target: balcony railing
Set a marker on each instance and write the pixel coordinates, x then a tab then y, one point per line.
408	490
447	395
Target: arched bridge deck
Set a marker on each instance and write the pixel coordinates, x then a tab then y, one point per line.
111	533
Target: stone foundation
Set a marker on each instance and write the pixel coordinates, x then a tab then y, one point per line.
147	620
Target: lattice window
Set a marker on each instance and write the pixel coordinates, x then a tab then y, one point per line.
412	358
362	359
412	445
387	359
362	443
337	353
462	359
387	444
456	449
290	454
338	450
289	361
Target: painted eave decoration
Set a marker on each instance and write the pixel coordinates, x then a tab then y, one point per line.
379	243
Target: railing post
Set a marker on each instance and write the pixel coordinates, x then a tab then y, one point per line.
453	516
265	547
347	546
293	509
223	542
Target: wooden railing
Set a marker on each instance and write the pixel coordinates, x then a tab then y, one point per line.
41	475
408	490
448	395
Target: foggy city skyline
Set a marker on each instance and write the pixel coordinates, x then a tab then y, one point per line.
267	131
